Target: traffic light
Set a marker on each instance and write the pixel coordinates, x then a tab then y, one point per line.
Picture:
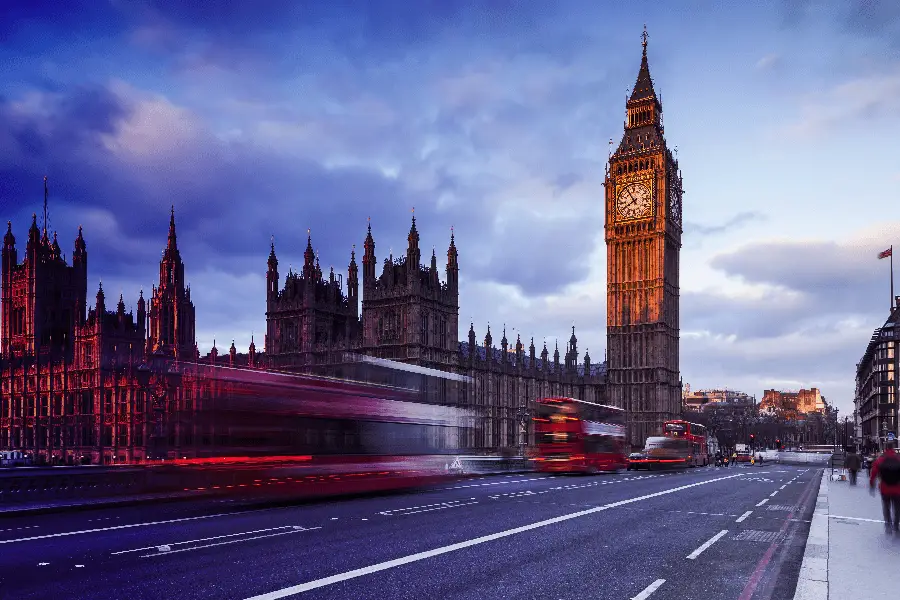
778	444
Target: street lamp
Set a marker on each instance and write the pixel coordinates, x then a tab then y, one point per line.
523	416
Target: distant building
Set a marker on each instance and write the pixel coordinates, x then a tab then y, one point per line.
732	402
875	403
793	404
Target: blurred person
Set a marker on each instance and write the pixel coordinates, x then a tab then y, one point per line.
852	462
734	459
886	468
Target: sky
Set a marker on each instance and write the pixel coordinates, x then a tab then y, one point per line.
273	117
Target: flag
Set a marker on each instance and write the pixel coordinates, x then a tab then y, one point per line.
886	253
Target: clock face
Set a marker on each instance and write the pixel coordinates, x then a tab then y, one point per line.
634	201
675	199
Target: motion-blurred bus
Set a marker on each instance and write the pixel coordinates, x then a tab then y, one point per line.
695	434
305	435
662	452
577	436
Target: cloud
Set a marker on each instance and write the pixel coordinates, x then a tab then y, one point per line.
696	230
768	62
872	99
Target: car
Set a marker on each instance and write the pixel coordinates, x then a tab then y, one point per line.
636	461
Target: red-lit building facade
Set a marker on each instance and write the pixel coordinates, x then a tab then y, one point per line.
89	385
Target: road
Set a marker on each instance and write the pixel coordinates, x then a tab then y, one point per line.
710	533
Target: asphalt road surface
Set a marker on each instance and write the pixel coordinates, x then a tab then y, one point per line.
735	533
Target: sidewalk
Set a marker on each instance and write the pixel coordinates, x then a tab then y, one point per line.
848	554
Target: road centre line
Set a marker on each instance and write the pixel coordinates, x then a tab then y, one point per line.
649	590
773	493
693	555
744	516
326	581
115	527
217	537
258	537
763	502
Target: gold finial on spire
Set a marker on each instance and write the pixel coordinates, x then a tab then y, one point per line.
644	37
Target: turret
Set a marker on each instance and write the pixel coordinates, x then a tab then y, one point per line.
100	307
452	265
272	274
531	357
556	357
369	259
520	351
587	363
120	310
10	255
545	362
34	240
251	354
413	255
309	259
142	315
232	354
214	353
504	345
56	251
472	342
353	283
80	263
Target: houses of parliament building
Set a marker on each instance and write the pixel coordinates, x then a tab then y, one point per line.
82	384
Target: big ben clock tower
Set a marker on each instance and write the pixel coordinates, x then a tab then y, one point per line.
643	242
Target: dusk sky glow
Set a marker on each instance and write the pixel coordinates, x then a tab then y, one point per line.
267	118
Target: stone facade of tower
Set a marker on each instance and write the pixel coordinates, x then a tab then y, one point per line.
172	316
643	237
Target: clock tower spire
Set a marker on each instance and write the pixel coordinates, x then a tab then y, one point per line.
643	241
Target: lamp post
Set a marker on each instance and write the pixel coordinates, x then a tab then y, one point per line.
523	416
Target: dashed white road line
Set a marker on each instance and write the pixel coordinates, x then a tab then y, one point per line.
114	527
693	555
649	590
773	493
763	502
397	512
390	564
215	537
258	537
744	516
855	519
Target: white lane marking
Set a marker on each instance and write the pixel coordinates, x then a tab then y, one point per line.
782	487
763	502
649	590
20	528
773	493
114	527
258	537
856	519
157	546
79	566
325	581
744	516
404	511
693	555
460	487
43	564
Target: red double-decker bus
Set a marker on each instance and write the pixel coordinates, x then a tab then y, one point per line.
302	435
694	433
576	436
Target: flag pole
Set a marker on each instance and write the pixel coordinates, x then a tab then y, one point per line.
892	278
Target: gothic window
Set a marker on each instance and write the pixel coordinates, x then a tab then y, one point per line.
443	333
425	328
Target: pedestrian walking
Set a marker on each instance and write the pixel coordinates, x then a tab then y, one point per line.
886	468
734	459
852	463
